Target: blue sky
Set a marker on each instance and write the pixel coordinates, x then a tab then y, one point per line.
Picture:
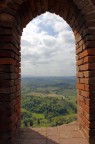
48	47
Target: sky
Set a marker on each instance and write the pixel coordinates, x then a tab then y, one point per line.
48	47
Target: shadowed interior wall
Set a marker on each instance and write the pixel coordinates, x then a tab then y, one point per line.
14	16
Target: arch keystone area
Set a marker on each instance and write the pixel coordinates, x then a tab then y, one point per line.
14	16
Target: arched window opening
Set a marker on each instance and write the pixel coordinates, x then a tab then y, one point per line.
48	72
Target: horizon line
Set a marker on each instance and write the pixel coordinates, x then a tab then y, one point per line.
48	76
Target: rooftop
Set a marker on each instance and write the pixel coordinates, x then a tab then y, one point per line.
65	134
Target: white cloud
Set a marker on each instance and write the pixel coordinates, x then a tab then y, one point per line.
48	47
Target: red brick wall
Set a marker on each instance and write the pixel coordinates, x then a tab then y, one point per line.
10	92
14	16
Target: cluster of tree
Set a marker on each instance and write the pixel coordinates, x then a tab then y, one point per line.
39	109
53	110
49	106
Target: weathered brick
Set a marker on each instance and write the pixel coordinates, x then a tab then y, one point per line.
79	50
84	99
85	93
87	52
89	73
7	90
89	59
91	23
80	75
87	66
85	120
7	76
80	86
80	62
6	83
84	67
44	5
6	68
9	61
90	44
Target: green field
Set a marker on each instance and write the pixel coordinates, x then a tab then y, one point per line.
48	101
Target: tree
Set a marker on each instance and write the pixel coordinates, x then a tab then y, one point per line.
25	123
31	123
38	121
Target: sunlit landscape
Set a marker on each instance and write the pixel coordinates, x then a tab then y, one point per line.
48	73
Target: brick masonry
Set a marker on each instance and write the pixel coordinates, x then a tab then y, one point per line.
14	16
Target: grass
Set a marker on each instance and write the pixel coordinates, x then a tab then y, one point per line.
40	116
45	95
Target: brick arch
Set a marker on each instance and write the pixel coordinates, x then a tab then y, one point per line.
14	16
93	2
